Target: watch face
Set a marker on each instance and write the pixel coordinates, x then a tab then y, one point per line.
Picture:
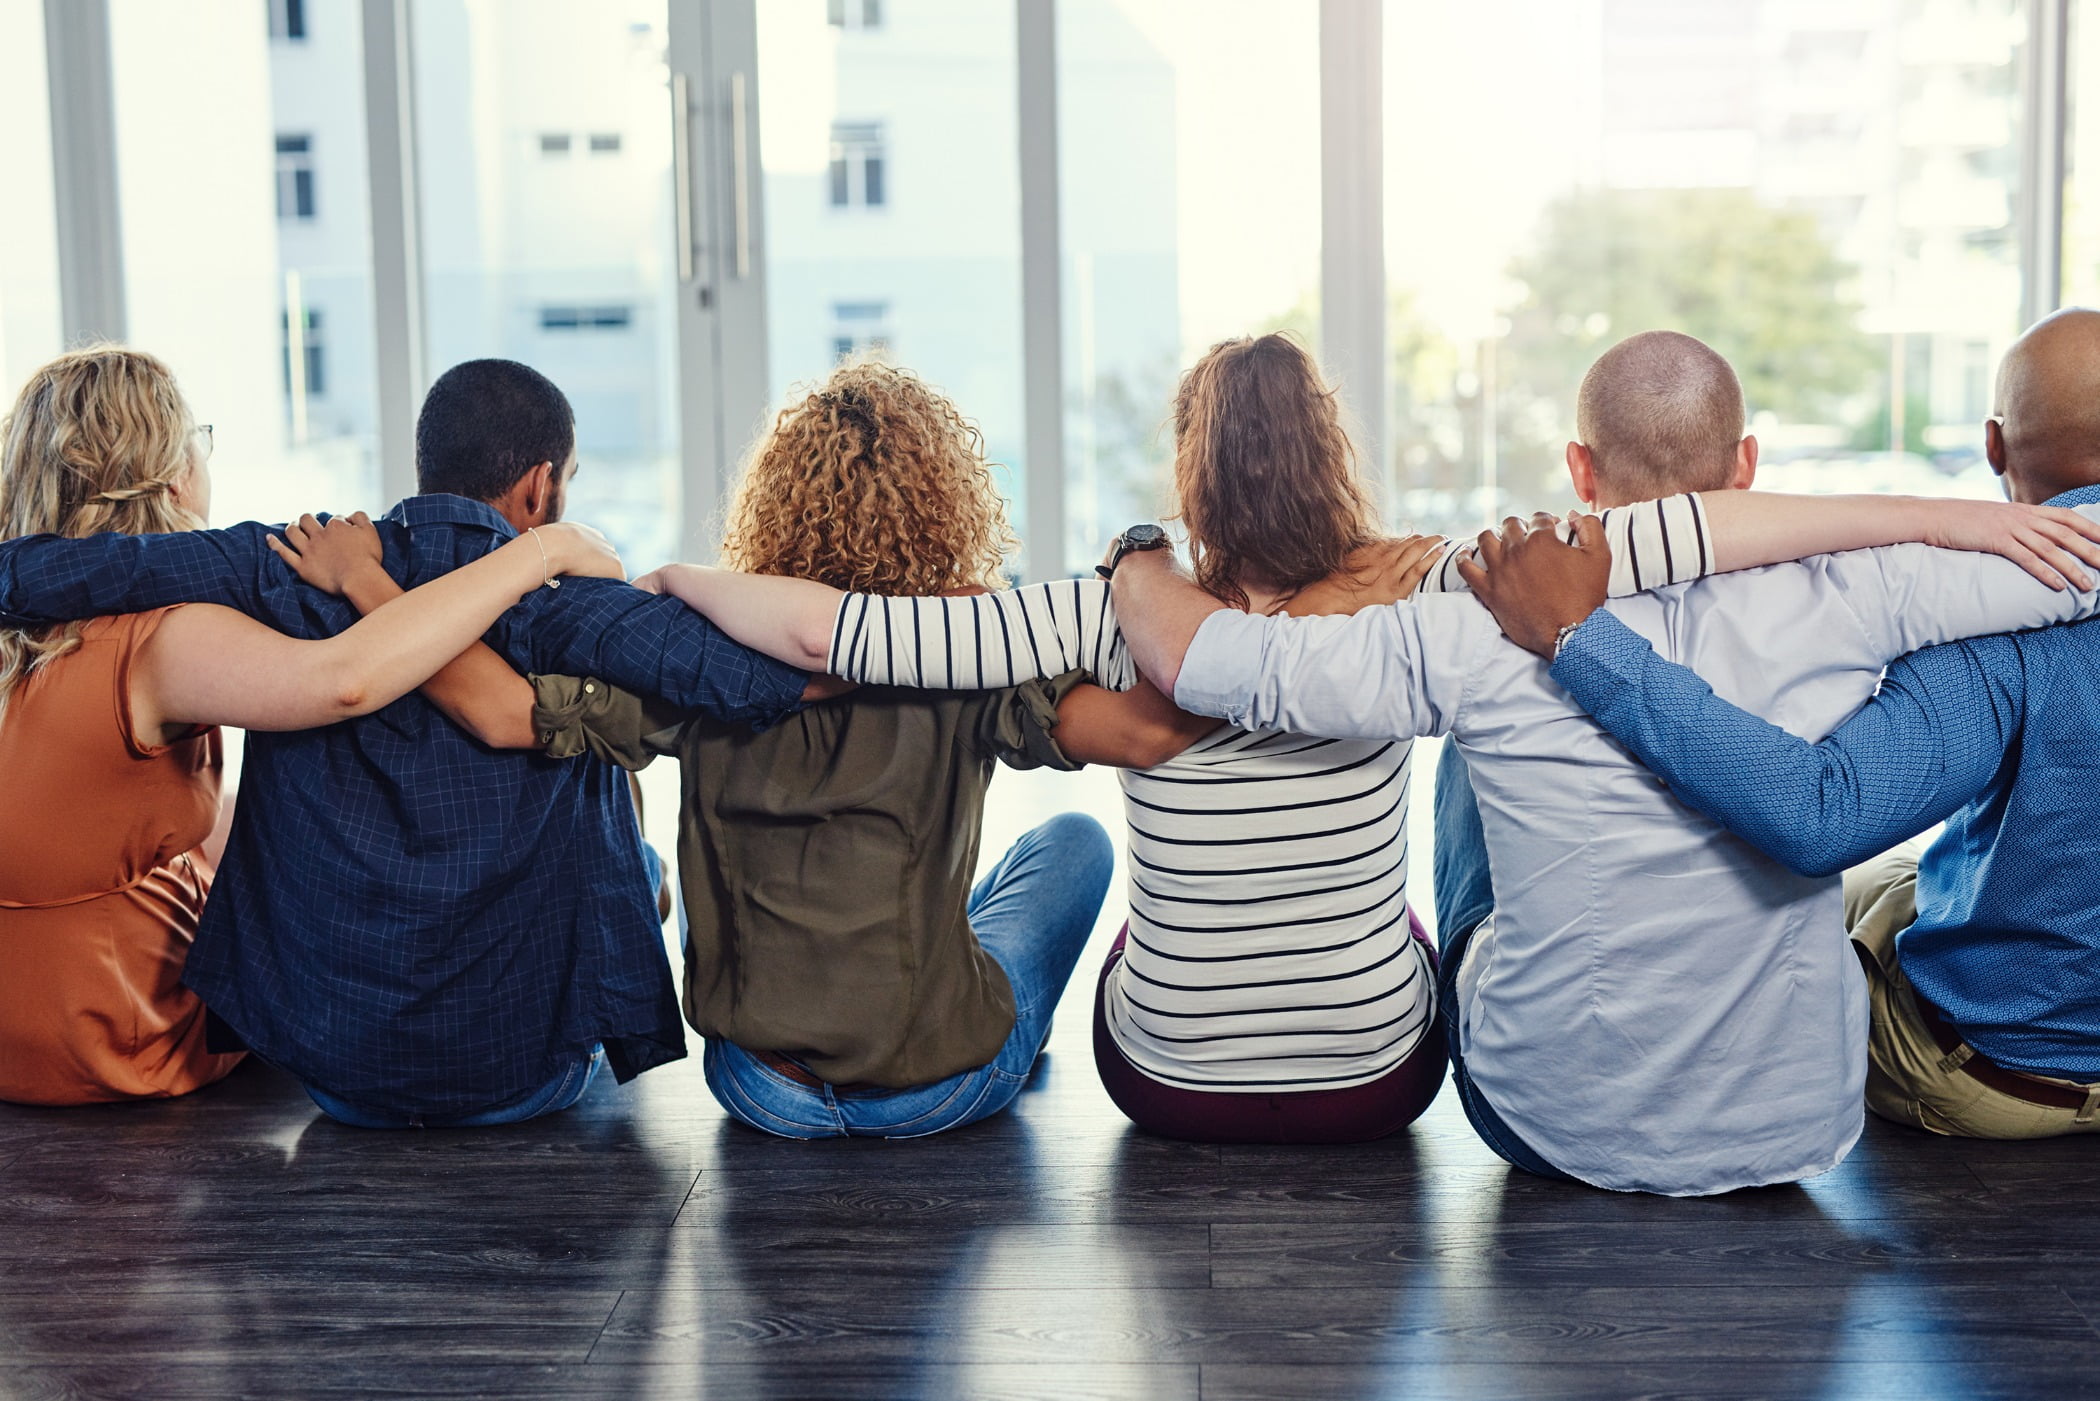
1144	537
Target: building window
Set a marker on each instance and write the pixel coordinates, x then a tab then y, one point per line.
605	143
855	14
313	359
288	19
554	143
859	159
859	328
295	177
586	318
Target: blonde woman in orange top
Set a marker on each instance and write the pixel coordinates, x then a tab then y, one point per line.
107	731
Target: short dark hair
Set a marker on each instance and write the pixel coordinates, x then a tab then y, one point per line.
1661	412
485	424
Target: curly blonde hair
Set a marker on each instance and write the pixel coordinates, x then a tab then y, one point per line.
872	483
99	439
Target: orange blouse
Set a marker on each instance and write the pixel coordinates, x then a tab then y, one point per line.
101	884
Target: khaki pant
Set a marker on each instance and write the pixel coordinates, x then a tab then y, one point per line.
1910	1080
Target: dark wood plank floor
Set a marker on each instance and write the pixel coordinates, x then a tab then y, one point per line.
236	1244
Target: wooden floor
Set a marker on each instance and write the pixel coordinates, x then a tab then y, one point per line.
236	1244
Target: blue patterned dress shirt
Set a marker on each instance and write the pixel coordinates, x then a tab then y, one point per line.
1999	737
404	918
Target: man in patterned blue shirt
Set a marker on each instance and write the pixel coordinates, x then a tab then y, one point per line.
421	929
1983	956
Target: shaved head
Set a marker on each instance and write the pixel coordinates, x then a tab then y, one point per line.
2049	401
1660	413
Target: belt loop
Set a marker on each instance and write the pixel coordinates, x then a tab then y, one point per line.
1959	1057
2092	1101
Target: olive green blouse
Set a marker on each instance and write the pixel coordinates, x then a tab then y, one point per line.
826	865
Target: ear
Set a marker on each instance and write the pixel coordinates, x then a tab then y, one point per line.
1994	443
1582	471
539	489
1745	464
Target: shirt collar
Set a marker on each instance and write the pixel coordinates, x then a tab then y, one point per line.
2083	496
439	508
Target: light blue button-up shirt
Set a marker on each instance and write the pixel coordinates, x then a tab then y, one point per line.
1655	1006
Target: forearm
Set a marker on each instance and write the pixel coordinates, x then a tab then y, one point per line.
1160	609
407	638
477	690
651	645
1817	808
791	620
46	579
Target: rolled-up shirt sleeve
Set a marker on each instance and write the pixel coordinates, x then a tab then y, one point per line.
1392	672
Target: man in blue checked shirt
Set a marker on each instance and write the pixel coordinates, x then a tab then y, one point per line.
1983	956
421	929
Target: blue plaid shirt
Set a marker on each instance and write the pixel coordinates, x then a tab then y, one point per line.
1994	736
404	918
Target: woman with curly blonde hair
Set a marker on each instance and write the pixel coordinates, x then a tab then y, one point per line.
847	977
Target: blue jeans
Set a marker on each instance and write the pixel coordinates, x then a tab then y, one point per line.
557	1094
1465	896
1032	914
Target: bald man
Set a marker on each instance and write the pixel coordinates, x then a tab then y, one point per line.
1652	1004
1983	957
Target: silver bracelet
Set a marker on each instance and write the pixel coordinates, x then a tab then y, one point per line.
546	566
1560	638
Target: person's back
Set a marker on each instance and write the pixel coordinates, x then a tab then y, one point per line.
100	854
418	927
847	976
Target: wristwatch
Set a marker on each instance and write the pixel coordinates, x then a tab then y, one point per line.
1138	537
1560	638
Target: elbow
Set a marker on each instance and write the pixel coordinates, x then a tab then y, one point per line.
811	647
1154	747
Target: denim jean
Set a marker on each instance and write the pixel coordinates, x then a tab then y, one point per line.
557	1094
1465	897
1032	913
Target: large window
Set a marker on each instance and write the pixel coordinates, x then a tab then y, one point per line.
920	126
29	307
1191	214
214	279
538	247
1828	195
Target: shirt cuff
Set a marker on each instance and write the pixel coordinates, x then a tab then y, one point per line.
1600	660
1219	671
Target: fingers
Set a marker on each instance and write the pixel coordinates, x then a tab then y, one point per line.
2059	559
296	536
1589	533
2078	521
278	547
1476	578
2028	560
361	520
2072	539
1487	550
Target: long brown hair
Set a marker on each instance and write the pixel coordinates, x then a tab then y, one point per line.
99	439
872	482
1265	472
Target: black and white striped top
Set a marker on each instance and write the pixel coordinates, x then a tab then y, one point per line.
1269	946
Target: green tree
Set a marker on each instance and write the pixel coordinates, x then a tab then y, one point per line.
1760	285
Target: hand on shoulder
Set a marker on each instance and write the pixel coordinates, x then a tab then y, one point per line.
1384	571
